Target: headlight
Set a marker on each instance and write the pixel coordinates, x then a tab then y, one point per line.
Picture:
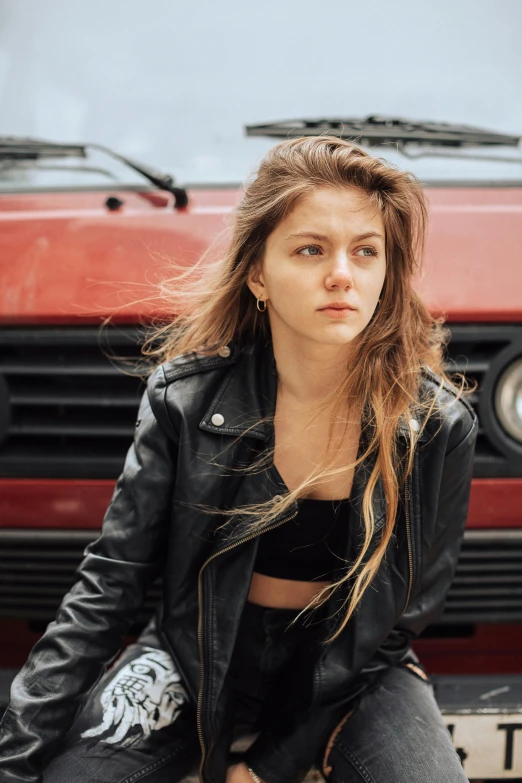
508	400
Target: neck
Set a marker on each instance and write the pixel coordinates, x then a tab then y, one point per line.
308	373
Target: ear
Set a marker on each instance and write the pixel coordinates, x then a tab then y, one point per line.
256	282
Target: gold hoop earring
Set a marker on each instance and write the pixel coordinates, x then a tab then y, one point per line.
261	309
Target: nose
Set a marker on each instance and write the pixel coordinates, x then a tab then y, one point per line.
340	273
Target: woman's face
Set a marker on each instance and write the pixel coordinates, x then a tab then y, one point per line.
330	250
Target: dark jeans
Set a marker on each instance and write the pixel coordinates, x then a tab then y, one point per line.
138	724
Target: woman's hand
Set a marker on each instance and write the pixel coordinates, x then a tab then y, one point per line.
238	773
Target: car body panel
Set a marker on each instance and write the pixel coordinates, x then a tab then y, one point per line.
67	258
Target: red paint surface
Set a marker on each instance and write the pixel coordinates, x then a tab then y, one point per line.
77	504
473	265
495	503
492	649
51	503
65	258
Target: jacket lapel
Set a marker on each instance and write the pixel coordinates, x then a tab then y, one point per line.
244	404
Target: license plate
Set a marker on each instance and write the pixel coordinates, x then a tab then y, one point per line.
489	745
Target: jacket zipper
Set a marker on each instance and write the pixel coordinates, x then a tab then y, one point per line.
200	633
408	540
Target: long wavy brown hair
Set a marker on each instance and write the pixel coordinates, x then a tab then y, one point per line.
214	306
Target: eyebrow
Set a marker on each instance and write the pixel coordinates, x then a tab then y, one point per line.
324	238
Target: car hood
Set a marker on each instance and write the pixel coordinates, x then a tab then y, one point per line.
68	258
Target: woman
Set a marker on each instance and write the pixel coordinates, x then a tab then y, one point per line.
300	477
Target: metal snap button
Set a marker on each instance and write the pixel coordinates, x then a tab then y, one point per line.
414	424
224	351
217	419
277	497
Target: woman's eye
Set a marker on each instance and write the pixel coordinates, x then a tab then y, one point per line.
368	251
314	250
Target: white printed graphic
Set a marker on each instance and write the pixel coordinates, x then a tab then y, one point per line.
146	693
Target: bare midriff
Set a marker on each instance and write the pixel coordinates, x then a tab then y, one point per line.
278	593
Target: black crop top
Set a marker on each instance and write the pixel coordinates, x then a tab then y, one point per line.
308	547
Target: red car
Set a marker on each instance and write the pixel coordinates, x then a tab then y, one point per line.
73	254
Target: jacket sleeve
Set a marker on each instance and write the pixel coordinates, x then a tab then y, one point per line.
286	756
96	614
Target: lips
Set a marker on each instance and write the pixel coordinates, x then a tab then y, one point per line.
337	306
337	311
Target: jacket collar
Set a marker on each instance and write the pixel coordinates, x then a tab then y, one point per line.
244	403
245	400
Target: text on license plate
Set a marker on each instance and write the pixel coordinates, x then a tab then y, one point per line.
489	745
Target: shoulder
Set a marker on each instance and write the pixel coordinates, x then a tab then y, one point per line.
188	377
195	362
452	415
188	364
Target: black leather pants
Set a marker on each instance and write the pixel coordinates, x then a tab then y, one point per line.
138	724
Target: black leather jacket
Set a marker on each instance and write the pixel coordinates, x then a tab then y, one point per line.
181	455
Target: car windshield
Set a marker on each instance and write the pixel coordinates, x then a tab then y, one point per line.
96	170
175	90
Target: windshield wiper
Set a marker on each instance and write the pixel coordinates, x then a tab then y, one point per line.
14	148
375	130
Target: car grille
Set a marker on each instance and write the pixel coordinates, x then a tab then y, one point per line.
488	584
37	567
73	409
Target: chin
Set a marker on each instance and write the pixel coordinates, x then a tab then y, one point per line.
339	339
